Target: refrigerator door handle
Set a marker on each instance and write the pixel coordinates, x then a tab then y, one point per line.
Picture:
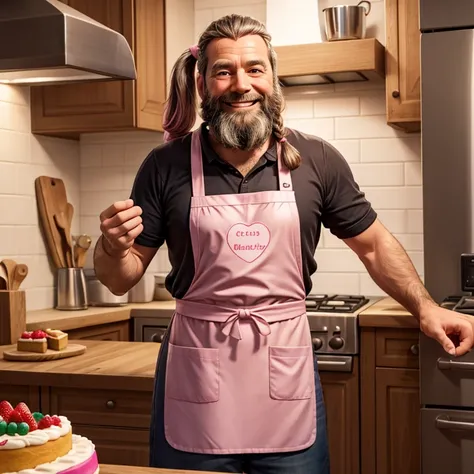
443	422
447	364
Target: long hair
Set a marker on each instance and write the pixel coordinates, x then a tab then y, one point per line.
180	107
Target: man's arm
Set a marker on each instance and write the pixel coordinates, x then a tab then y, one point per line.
390	267
392	270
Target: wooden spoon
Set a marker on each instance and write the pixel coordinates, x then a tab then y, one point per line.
61	220
82	245
3	278
21	271
9	266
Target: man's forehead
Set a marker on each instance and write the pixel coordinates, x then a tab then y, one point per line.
252	44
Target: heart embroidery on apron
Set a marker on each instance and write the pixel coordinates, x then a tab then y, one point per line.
248	242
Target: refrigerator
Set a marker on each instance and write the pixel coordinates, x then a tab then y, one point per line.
447	137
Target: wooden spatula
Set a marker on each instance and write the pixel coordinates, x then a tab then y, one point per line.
61	220
83	243
20	273
9	267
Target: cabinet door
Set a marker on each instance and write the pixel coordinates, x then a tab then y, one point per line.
397	421
105	332
402	64
341	397
70	109
21	393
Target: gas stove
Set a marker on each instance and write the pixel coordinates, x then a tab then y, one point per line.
460	303
333	321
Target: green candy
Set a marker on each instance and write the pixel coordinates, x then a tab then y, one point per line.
37	416
3	427
12	428
23	429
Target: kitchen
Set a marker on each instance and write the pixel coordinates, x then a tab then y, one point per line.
378	397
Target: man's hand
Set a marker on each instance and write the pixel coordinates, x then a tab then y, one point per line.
454	331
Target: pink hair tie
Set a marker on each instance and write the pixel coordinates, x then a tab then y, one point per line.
283	140
194	50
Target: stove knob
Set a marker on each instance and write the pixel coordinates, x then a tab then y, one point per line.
317	343
336	343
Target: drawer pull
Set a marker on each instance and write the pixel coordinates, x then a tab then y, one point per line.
110	404
444	422
415	349
446	364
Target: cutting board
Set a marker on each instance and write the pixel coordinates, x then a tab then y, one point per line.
52	199
70	351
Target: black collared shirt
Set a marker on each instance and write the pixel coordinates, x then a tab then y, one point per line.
325	190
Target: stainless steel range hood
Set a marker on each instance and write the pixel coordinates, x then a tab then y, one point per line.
48	42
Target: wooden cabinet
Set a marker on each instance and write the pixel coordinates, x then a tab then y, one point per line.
104	332
341	398
117	421
390	404
71	109
21	393
402	64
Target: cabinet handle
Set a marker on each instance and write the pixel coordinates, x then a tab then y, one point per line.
415	349
396	94
110	404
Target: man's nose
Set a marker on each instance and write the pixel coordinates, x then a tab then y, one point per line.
241	82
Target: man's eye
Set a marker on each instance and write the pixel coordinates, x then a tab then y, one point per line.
222	73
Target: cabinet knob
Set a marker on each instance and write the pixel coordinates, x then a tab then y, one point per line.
110	404
414	349
396	94
157	337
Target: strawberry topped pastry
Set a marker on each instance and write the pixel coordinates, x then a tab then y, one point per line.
31	441
32	341
57	340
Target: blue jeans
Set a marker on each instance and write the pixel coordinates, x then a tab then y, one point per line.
312	460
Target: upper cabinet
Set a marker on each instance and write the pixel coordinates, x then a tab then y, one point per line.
402	64
71	109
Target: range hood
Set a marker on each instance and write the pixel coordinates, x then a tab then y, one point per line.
48	42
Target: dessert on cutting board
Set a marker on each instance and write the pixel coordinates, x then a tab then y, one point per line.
40	341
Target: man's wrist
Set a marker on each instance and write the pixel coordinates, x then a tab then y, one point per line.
110	251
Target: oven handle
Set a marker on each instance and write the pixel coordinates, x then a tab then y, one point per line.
447	364
328	363
443	422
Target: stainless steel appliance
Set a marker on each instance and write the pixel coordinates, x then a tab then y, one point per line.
447	89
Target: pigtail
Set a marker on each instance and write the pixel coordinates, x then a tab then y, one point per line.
180	107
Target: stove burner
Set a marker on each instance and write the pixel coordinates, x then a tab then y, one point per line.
335	303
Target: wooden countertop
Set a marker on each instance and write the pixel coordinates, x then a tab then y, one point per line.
93	316
387	313
104	365
114	469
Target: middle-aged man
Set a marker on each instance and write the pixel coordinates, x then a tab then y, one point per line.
240	203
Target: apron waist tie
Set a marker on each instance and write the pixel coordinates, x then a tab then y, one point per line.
261	316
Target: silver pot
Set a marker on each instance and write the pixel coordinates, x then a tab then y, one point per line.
346	22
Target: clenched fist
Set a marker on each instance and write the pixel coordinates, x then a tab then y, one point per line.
120	225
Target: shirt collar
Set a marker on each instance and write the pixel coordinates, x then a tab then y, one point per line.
210	155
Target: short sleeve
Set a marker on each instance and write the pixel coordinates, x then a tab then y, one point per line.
346	211
146	193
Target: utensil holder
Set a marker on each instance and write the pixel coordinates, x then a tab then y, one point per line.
71	289
12	315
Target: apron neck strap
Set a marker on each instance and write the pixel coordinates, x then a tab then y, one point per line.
284	176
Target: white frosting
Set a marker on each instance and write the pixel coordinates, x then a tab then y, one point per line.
32	340
36	437
82	450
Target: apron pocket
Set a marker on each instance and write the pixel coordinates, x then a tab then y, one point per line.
192	374
291	373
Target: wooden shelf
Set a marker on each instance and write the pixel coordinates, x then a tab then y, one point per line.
331	62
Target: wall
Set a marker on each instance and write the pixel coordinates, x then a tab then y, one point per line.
386	163
23	157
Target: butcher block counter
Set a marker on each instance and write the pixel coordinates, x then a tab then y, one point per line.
68	320
109	469
387	313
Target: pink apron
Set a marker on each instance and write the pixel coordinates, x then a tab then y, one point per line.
240	374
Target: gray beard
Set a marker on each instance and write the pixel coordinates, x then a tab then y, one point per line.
242	130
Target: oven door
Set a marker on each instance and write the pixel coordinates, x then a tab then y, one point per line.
445	380
447	438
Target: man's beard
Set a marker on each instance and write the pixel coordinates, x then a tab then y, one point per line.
245	130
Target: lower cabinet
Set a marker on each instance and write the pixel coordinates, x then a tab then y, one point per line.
104	332
116	421
390	401
341	398
21	393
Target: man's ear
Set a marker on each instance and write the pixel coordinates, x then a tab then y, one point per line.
200	85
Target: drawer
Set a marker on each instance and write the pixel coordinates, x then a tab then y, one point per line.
397	348
118	446
121	408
